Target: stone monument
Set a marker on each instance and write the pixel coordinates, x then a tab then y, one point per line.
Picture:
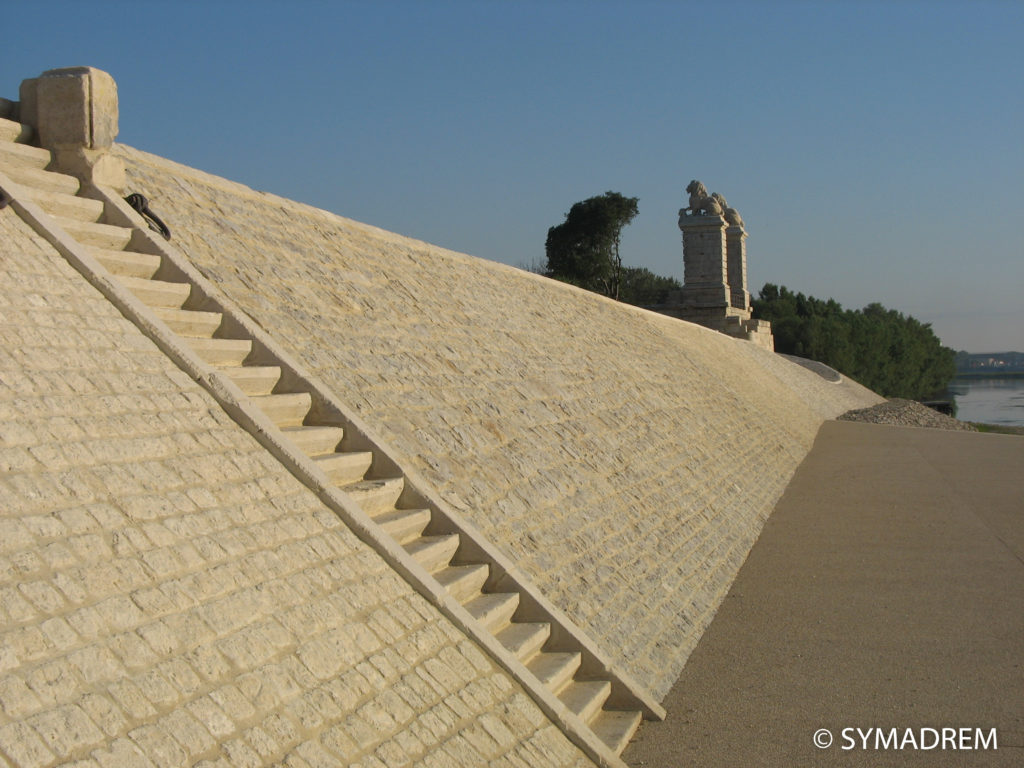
715	269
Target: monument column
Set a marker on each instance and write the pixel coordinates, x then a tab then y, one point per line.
736	249
705	272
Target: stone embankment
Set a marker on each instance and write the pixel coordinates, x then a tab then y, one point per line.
171	595
625	461
174	593
906	413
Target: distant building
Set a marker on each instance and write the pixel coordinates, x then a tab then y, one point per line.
989	363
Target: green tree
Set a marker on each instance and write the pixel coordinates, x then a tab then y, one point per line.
641	287
584	249
893	354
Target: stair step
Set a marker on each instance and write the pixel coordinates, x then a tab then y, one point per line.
24	155
523	639
555	669
433	552
222	352
494	610
615	728
586	697
128	263
376	496
314	441
345	467
287	409
403	525
188	322
463	581
157	293
11	130
257	380
95	235
40	179
66	205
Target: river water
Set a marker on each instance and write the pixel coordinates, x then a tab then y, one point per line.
992	401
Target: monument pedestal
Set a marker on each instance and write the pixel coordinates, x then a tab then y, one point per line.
729	320
715	273
705	279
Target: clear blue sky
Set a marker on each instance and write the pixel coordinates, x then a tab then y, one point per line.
874	149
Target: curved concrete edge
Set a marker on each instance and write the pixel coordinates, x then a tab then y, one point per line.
247	415
827	372
508	576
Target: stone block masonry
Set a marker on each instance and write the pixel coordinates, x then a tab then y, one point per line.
706	273
169	595
624	460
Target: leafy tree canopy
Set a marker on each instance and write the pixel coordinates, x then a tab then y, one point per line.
894	354
643	288
584	249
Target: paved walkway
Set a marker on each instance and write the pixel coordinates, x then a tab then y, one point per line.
886	591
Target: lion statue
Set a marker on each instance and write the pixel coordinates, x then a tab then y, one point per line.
732	216
703	204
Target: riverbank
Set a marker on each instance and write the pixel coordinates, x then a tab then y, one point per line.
999	429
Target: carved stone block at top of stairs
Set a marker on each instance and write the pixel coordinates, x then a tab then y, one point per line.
74	113
72	107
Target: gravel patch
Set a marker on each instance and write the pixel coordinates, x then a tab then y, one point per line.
906	413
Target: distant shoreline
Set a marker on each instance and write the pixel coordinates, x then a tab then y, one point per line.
988	375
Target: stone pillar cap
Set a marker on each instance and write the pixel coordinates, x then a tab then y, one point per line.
702	219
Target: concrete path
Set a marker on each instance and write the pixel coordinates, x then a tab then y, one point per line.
886	591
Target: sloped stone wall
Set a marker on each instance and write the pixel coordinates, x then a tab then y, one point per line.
626	461
170	596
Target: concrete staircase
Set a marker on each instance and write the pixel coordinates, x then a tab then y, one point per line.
328	447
